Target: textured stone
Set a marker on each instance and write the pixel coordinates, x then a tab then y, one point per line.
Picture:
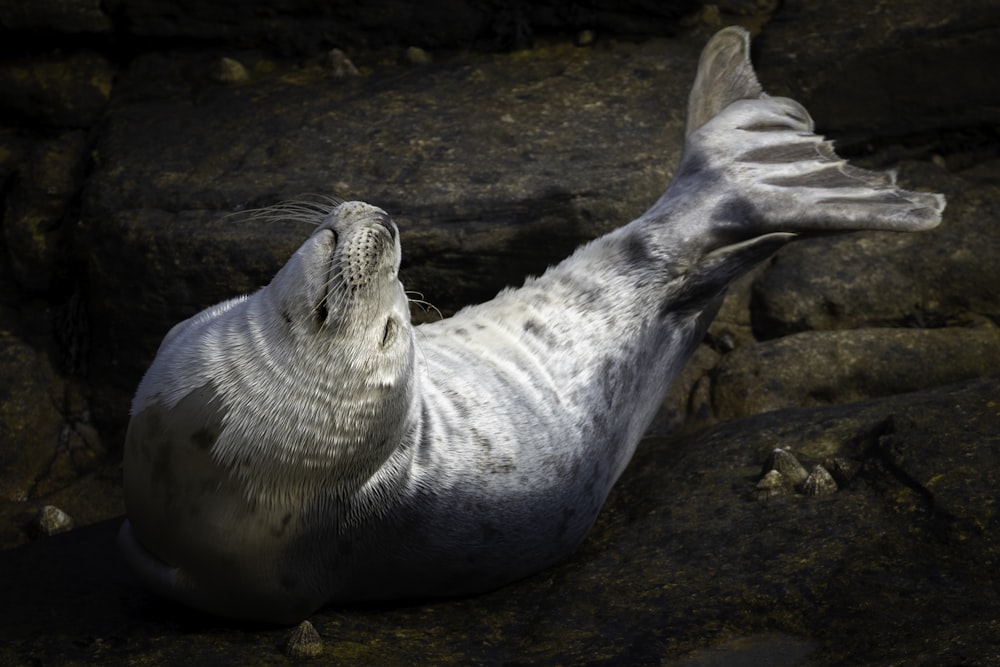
922	65
62	90
304	26
30	424
49	181
820	367
63	16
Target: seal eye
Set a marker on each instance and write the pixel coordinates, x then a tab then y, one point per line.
389	333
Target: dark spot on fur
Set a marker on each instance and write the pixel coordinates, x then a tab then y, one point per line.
458	402
204	438
483	442
636	251
736	211
285	315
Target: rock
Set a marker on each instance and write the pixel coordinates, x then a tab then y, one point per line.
340	65
817	367
61	16
48	183
923	66
52	520
229	70
843	470
417	56
30	424
585	38
294	27
64	91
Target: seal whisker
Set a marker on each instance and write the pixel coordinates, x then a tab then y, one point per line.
423	304
311	209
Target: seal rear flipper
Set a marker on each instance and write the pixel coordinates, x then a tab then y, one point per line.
755	165
725	75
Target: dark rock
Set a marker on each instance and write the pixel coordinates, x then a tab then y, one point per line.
922	65
304	26
49	181
30	423
229	70
62	16
61	90
818	367
51	520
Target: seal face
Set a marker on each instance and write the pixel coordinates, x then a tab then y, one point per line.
306	443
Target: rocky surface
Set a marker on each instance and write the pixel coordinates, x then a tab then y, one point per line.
681	558
500	136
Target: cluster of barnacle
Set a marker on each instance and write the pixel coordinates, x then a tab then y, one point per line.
783	475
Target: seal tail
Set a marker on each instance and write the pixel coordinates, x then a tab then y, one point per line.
778	175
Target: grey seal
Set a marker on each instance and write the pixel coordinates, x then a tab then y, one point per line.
306	444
